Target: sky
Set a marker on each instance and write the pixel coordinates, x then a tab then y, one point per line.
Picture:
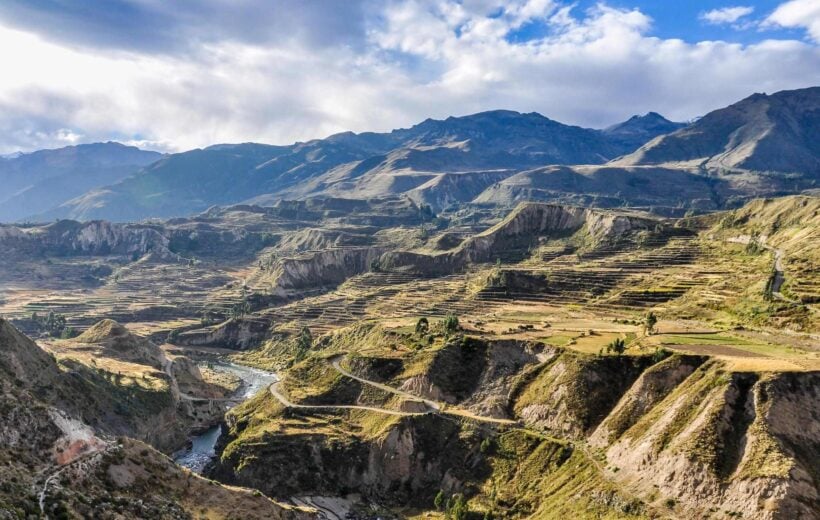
173	76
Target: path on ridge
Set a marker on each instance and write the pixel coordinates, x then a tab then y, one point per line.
437	407
284	400
433	406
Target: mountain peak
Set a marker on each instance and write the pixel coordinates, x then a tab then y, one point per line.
640	129
771	133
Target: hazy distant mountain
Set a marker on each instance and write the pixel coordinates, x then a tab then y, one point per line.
776	133
34	182
351	165
769	145
638	130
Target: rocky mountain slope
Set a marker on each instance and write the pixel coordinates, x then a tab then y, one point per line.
763	133
38	181
614	436
55	464
639	130
524	228
764	144
353	165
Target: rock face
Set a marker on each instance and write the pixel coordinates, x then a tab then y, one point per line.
671	426
730	439
327	268
521	229
236	333
653	385
70	238
776	133
572	394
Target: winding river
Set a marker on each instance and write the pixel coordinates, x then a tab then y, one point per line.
203	446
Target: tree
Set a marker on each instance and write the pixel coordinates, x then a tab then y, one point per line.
618	346
439	500
422	326
486	446
458	510
649	323
450	324
305	340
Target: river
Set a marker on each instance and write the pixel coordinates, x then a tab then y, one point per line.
203	446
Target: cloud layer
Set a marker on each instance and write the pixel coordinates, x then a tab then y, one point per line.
186	74
726	15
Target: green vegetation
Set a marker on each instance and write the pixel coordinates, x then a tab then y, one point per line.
54	324
616	346
451	325
649	323
422	326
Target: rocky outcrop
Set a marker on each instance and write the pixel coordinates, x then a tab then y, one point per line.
95	238
408	463
739	443
235	333
651	387
325	268
574	392
522	229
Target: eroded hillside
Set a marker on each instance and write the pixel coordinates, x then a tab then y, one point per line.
551	362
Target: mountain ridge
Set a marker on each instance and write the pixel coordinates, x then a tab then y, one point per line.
37	181
762	145
358	165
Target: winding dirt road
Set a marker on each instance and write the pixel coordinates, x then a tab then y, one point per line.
433	407
87	457
284	400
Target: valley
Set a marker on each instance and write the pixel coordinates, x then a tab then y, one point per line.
488	316
504	360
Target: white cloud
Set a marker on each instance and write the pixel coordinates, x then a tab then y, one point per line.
415	59
726	15
803	14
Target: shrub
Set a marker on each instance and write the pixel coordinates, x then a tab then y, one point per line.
649	322
439	500
450	324
422	326
618	346
486	446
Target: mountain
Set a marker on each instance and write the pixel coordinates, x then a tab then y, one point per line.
56	464
348	165
638	130
763	145
763	133
35	182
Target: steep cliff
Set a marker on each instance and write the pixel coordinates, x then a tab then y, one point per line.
95	238
743	443
613	436
56	465
325	268
521	229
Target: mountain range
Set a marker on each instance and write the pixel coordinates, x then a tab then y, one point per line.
37	182
764	144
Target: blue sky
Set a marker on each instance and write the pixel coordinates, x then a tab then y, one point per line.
682	19
189	73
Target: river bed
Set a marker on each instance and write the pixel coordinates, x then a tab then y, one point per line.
203	445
